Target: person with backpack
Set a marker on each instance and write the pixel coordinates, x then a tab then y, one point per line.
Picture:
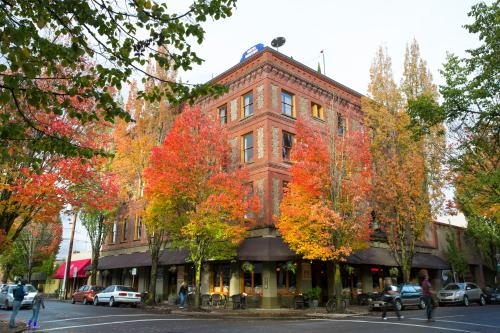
388	297
18	294
37	303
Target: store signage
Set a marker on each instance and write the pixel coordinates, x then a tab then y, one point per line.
251	51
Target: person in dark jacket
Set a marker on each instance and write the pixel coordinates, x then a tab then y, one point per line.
37	303
388	297
18	294
427	293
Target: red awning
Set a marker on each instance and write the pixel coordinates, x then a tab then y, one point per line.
80	269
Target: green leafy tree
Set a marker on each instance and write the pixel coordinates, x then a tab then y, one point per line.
44	41
485	236
455	257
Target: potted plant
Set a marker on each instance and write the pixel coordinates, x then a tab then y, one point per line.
394	273
313	294
247	266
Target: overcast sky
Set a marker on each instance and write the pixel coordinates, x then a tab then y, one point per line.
348	31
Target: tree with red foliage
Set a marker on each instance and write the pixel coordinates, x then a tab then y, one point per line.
195	194
325	213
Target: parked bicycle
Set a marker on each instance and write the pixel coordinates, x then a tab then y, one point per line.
331	305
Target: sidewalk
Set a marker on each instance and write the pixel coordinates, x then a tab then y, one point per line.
4	326
215	312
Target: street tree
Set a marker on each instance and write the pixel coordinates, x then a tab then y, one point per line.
325	211
44	42
456	258
400	194
36	244
133	146
194	193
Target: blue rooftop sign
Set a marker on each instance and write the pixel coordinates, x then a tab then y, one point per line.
251	51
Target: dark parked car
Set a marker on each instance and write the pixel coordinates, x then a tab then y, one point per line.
408	295
85	294
492	294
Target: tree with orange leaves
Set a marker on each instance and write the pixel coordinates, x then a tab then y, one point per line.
194	193
324	212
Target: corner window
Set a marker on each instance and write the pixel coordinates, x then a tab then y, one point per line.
138	227
317	111
340	124
247	105
247	148
287	104
223	114
287	145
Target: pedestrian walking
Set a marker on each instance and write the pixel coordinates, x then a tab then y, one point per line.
37	303
428	296
388	297
18	294
183	291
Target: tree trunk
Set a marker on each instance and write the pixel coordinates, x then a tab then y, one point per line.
154	274
337	285
95	263
197	266
406	270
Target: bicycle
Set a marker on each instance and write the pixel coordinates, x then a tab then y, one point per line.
331	305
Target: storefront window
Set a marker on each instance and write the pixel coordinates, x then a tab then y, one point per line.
286	280
221	277
252	281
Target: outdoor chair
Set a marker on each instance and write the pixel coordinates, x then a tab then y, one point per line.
206	300
299	302
238	301
217	300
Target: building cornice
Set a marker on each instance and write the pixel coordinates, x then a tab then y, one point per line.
268	66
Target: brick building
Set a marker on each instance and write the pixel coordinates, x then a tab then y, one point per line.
267	93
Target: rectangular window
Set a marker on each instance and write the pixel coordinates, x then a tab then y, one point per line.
125	230
340	124
287	104
247	146
247	105
287	145
317	111
223	114
113	233
221	277
138	227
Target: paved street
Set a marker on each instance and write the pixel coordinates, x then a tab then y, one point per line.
65	317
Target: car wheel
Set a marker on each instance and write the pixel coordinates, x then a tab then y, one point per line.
398	305
482	300
96	301
84	302
466	300
111	302
73	300
421	304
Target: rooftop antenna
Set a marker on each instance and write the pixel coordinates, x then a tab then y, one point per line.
278	42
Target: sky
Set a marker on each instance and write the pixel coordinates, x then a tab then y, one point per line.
349	32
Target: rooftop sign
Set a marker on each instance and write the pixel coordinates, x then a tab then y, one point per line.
251	51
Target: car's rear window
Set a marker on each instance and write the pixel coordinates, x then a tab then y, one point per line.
452	287
29	289
123	288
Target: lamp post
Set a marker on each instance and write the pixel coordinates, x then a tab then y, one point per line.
68	257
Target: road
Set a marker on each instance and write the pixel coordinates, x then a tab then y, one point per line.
66	317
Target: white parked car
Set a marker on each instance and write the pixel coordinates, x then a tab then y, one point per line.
116	294
7	296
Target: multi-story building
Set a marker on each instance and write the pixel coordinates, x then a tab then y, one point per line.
268	93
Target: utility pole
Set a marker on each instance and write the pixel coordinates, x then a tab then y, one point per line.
68	257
